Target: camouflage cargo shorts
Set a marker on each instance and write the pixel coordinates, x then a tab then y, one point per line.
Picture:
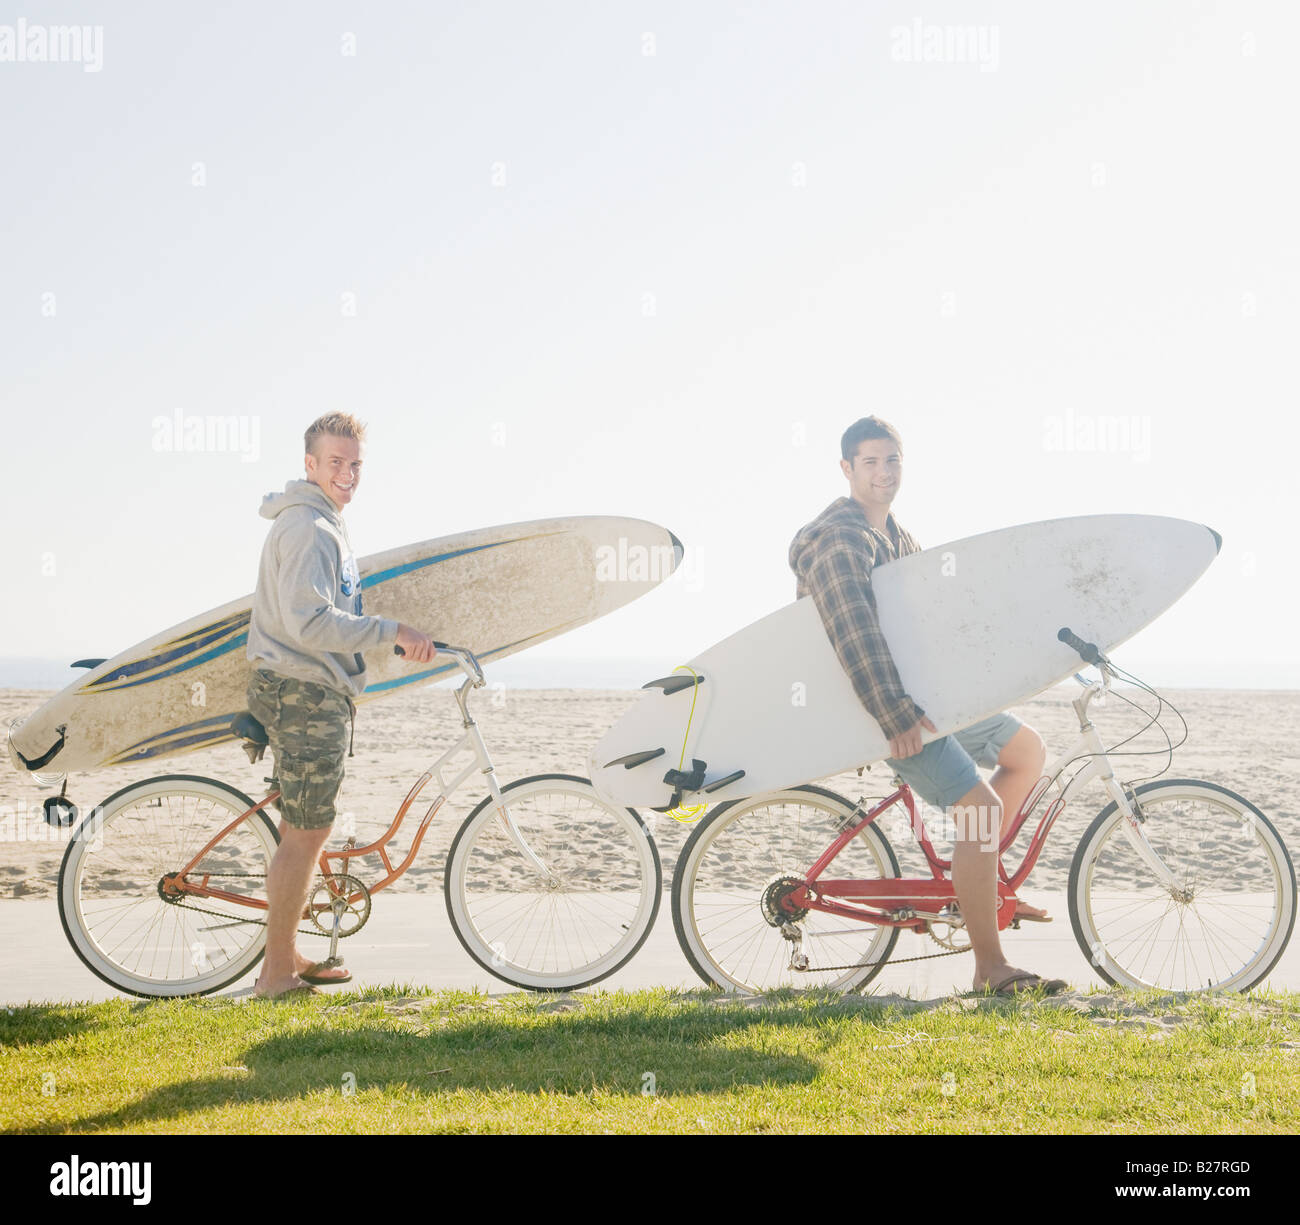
307	725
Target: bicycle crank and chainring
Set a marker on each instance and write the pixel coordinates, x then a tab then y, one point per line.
341	898
778	912
182	901
956	937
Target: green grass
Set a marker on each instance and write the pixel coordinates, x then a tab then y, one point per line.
401	1060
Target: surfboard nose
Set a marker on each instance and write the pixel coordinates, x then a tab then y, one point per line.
1218	540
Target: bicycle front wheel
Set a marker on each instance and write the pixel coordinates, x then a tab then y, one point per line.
737	855
133	931
577	921
1223	922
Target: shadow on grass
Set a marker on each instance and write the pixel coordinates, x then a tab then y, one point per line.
37	1024
695	1052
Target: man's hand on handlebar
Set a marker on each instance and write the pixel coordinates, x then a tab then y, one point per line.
418	648
909	743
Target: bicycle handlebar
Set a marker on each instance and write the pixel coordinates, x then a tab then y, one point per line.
466	658
1088	650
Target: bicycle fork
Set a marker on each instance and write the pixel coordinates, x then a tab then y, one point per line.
1131	811
472	741
475	739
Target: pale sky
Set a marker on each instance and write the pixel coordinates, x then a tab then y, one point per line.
651	259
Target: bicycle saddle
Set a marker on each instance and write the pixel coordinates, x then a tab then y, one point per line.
248	728
252	733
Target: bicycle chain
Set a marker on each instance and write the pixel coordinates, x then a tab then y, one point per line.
889	961
221	914
312	931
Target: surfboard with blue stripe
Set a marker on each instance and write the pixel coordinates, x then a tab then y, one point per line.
495	590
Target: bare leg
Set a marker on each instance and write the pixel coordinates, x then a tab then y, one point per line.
288	881
1020	766
974	878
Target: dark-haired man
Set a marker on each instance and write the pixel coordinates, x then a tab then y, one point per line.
833	557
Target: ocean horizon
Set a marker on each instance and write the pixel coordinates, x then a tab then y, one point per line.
632	672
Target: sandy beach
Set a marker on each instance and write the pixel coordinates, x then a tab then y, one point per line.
1244	740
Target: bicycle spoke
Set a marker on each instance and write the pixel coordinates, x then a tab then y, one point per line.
726	871
119	921
1226	917
580	921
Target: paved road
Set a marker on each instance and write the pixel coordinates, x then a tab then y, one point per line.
408	940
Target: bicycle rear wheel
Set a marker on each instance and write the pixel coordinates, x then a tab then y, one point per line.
122	922
1226	919
578	924
736	854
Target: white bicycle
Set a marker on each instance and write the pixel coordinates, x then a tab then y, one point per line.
548	887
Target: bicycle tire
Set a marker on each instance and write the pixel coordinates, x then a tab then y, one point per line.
110	902
1227	921
725	907
528	934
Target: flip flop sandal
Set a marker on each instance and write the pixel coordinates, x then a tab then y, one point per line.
1031	982
312	974
293	993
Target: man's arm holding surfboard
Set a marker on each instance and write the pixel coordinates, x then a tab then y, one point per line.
835	570
308	577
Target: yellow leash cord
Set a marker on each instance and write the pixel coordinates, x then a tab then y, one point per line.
688	813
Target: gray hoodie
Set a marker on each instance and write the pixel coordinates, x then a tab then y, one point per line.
307	620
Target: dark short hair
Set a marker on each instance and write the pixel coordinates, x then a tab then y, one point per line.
861	430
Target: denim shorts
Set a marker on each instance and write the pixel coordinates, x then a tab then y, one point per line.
944	770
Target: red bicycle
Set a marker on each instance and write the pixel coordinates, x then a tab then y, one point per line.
1177	884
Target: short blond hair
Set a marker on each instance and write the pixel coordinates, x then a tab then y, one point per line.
341	425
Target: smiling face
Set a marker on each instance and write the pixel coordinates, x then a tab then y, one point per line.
336	467
875	474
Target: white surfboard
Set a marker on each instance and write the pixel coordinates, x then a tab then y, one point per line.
497	591
972	627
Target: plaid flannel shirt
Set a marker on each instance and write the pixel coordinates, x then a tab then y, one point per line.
832	558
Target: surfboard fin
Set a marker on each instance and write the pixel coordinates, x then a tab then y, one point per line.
674	684
87	663
685	781
631	760
719	783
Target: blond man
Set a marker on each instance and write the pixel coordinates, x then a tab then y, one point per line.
305	642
